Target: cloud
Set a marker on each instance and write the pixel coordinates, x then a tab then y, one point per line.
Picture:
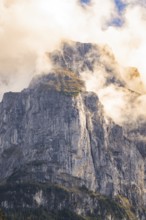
128	42
29	29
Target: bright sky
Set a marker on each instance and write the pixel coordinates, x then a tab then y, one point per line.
30	28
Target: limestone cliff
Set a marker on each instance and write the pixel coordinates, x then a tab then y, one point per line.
56	134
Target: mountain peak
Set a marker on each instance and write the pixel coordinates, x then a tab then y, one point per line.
60	80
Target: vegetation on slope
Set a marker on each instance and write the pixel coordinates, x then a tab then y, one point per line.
2	216
61	203
64	81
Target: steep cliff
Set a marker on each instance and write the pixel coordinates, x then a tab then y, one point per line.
58	149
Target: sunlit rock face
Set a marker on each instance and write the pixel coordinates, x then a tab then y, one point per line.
86	57
59	134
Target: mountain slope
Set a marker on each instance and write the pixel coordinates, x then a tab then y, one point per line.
59	150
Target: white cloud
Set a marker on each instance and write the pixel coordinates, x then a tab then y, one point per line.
28	29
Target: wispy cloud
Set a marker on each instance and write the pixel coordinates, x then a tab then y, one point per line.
28	29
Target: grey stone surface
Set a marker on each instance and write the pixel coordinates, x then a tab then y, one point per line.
47	135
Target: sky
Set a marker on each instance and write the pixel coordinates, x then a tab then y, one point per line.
120	5
30	28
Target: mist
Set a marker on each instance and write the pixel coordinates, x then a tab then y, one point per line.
29	29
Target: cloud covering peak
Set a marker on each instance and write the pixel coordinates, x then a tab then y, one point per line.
30	28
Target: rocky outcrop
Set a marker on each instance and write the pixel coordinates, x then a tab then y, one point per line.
58	134
51	202
86	57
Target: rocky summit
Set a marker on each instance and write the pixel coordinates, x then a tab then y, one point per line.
61	157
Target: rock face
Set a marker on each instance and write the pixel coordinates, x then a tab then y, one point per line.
52	133
80	57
